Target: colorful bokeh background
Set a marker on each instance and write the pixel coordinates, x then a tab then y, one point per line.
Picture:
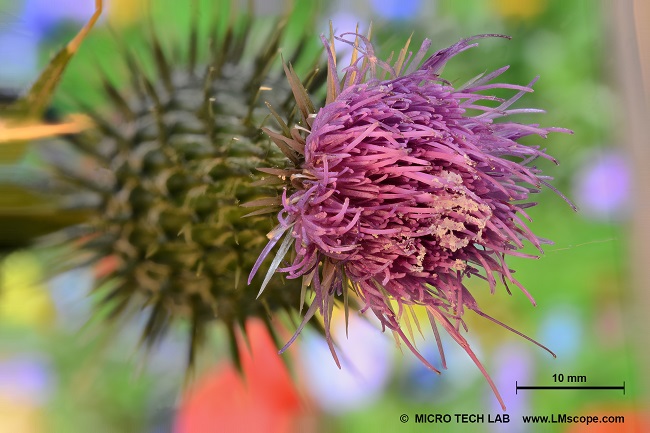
62	372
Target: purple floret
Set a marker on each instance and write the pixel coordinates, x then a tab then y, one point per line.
407	186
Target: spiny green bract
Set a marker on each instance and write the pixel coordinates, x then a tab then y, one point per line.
174	171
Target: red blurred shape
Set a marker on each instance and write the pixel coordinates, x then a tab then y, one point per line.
264	399
635	422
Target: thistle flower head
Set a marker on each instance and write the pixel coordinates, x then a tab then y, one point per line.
177	154
403	186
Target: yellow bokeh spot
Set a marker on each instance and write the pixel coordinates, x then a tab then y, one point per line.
520	8
124	12
24	299
16	417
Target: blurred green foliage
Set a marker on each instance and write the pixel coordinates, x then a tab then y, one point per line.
566	44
